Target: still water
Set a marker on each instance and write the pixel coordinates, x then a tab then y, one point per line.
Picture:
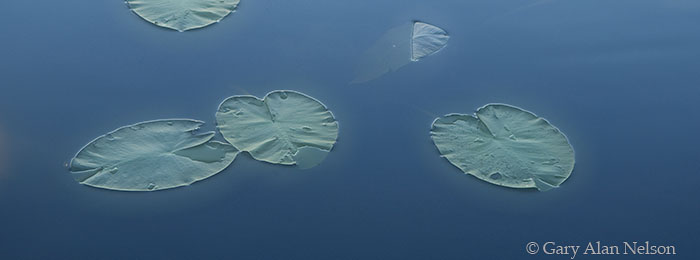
620	78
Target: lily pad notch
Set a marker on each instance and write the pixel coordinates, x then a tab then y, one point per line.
505	145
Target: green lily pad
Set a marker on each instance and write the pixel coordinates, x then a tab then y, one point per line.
426	40
506	146
398	47
152	155
182	15
280	128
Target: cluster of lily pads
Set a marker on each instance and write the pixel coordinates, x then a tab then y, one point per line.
285	127
500	144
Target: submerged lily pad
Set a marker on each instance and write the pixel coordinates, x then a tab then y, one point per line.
182	15
285	127
152	155
398	47
506	146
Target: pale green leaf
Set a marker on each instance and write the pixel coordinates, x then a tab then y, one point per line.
426	40
397	48
151	155
276	128
505	145
182	15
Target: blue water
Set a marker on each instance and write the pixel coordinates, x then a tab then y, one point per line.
620	78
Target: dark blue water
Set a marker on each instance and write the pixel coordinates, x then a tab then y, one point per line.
620	78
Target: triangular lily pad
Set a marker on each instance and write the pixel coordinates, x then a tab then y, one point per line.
152	155
426	40
182	15
285	127
506	146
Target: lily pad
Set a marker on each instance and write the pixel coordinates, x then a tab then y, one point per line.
506	146
426	40
152	155
281	128
182	15
398	47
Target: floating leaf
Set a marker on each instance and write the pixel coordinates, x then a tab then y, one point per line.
426	40
398	47
506	146
182	15
152	155
280	128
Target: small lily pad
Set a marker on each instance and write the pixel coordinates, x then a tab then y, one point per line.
398	47
426	40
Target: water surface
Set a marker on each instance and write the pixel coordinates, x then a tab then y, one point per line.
618	77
